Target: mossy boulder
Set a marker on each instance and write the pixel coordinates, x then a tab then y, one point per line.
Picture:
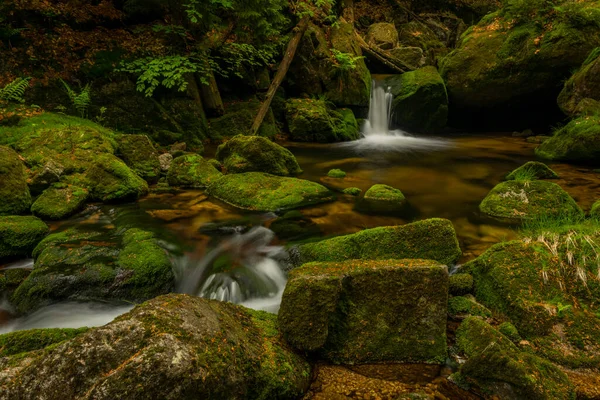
59	202
317	121
461	306
79	265
10	279
192	171
532	170
521	200
256	154
363	311
432	239
383	35
581	93
34	339
578	141
461	284
139	154
510	331
174	346
336	173
111	180
14	191
238	119
19	235
352	191
496	365
258	191
420	101
382	199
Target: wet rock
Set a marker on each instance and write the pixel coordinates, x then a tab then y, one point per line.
172	347
432	239
528	199
352	191
578	141
19	235
382	199
383	35
165	161
192	171
316	121
256	154
410	56
60	201
111	180
362	311
532	170
10	279
14	191
581	94
50	174
139	154
293	225
264	192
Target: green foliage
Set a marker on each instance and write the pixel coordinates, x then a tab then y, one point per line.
524	175
345	62
15	90
233	58
82	100
576	13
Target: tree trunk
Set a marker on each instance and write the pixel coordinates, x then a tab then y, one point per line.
348	10
195	93
212	97
281	72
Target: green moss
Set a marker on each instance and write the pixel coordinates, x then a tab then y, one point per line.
510	331
382	199
578	141
461	284
34	339
580	95
336	173
420	100
238	120
527	200
192	171
595	211
362	311
59	202
530	171
263	192
10	279
257	154
432	239
459	305
14	191
19	235
353	191
316	121
110	180
140	155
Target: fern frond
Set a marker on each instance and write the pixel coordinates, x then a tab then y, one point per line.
82	100
15	90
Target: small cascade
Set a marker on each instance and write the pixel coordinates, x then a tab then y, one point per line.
380	111
243	269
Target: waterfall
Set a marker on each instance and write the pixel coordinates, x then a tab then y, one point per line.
380	111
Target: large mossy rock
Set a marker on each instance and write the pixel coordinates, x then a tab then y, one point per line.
317	121
139	154
172	347
257	154
496	365
238	120
14	192
383	35
517	59
111	180
20	235
258	191
78	265
60	201
432	239
315	71
522	200
382	199
363	311
192	171
581	94
420	100
578	141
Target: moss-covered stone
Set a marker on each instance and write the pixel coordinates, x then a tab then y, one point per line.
420	100
59	202
257	154
581	93
578	141
10	279
362	311
466	305
532	170
111	180
461	284
432	239
14	191
293	225
192	171
522	200
496	365
382	199
238	120
316	121
383	35
172	346
352	191
140	155
264	192
34	339
79	265
510	331
336	173
19	235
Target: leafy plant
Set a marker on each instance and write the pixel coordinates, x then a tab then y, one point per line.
345	62
82	100
15	90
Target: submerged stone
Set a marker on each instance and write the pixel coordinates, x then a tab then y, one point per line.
336	173
111	180
362	311
139	154
192	171
256	154
578	141
14	192
432	239
19	235
59	202
174	346
528	199
530	171
382	199
264	192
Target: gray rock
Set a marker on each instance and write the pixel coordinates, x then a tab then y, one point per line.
165	161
